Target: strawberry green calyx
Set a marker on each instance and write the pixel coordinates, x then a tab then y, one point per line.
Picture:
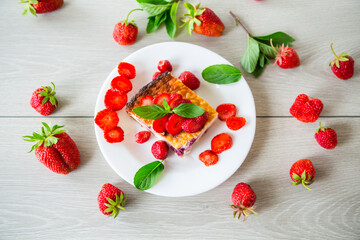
190	19
342	57
28	7
242	210
46	136
49	94
321	128
303	179
115	206
132	22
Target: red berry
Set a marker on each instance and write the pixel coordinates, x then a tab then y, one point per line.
190	125
164	65
302	171
178	102
142	136
114	135
115	100
125	34
174	124
226	111
343	65
174	97
147	100
235	123
127	70
243	198
117	196
306	109
159	98
221	143
43	100
160	150
286	57
43	6
209	158
122	84
156	74
107	119
190	80
159	124
203	118
326	137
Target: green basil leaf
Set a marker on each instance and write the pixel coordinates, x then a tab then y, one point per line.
258	70
160	19
267	50
151	25
278	38
221	74
153	9
261	60
166	106
189	110
267	61
146	176
151	112
251	55
170	22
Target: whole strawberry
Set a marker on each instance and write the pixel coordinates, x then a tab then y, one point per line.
111	200
125	32
286	57
41	6
343	65
306	109
326	137
55	149
202	20
43	100
302	171
243	198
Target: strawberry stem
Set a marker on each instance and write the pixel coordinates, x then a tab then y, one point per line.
238	21
127	17
303	183
332	49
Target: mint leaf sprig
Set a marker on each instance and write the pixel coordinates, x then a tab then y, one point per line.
259	50
155	111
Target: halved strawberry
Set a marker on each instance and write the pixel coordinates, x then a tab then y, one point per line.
180	101
164	65
235	123
159	98
114	135
147	100
190	125
173	98
226	110
208	157
142	136
221	142
203	118
107	119
159	124
156	74
115	100
122	84
127	70
174	124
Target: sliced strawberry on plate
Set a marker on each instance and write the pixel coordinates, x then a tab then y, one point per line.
126	70
159	98
115	135
178	102
221	142
226	110
156	74
173	98
142	136
174	124
107	119
208	157
190	125
122	84
115	100
164	65
159	124
235	123
147	100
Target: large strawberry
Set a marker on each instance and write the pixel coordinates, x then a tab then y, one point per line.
125	32
55	149
202	20
111	200
302	171
43	100
243	198
41	6
306	109
343	65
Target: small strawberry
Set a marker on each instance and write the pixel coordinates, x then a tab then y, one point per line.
55	149
127	70
174	97
203	21
190	125
107	119
159	124
190	80
343	65
306	109
159	98
302	171
235	123
164	65
178	102
208	157
146	100
43	100
221	143
115	100
226	111
243	198
122	84
160	150
114	135
326	137
156	74
174	124
111	200
125	32
41	6
286	57
142	136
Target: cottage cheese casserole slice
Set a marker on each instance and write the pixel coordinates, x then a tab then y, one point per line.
166	83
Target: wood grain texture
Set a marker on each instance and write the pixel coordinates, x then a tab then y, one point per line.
38	204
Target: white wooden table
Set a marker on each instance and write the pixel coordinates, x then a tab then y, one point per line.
73	47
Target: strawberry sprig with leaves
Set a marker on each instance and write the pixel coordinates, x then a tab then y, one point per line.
259	50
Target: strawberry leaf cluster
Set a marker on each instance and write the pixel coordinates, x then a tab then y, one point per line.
28	7
115	206
190	18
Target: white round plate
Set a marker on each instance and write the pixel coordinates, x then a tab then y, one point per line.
184	176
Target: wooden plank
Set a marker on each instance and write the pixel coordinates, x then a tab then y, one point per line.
38	204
